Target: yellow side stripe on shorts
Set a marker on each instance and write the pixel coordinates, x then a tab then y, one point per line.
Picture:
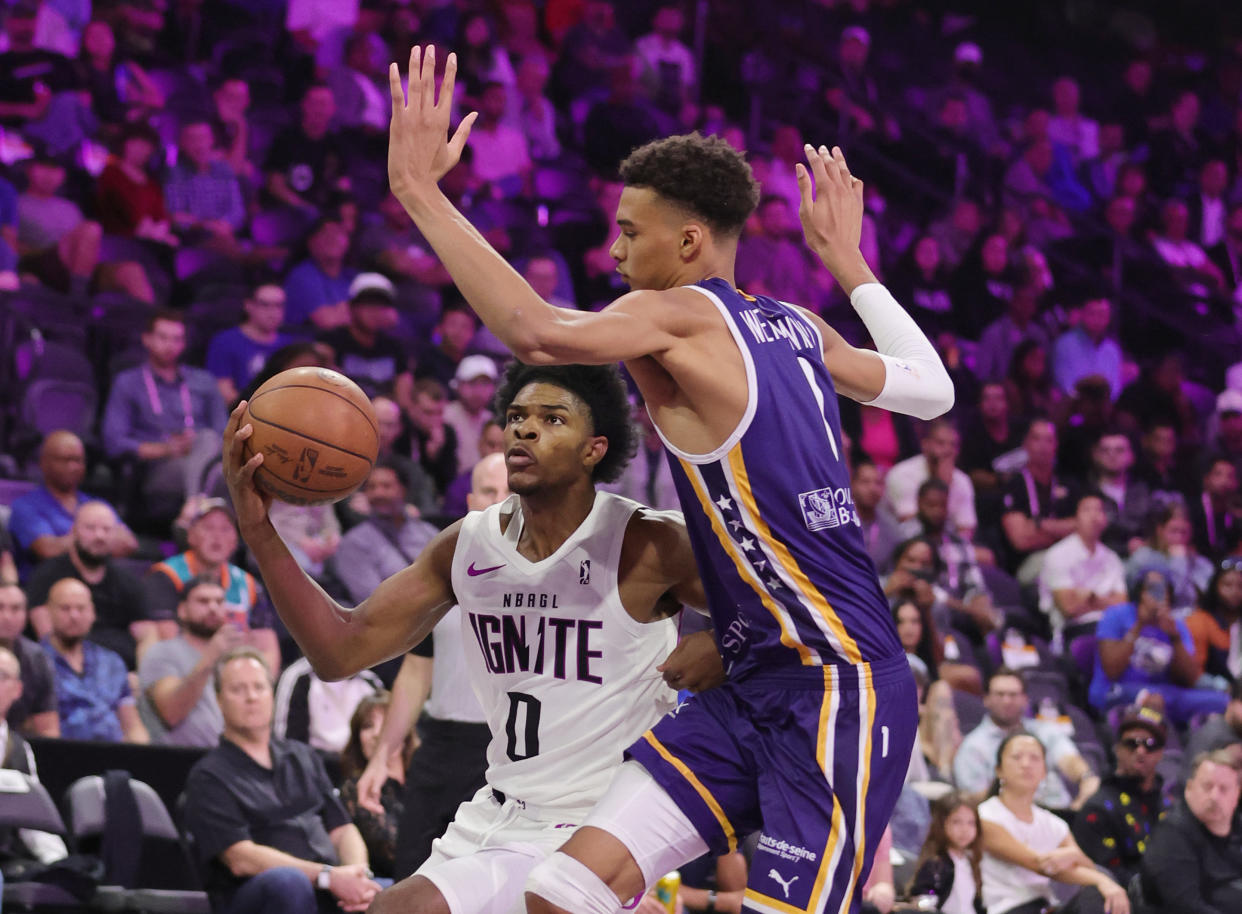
766	904
703	792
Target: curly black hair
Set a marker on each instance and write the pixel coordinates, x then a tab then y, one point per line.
704	174
600	387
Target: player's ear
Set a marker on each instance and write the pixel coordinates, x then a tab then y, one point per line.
596	448
692	237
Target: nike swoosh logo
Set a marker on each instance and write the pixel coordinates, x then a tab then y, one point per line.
475	572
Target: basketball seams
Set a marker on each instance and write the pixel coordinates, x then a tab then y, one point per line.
298	479
319	441
263	393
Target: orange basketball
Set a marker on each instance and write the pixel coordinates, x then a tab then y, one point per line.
317	433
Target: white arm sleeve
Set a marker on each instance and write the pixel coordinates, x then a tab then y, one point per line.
915	381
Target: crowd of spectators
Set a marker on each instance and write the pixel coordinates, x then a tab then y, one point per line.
193	198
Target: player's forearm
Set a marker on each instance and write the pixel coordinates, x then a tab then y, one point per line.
849	269
503	300
916	382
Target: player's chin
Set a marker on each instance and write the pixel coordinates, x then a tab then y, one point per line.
524	482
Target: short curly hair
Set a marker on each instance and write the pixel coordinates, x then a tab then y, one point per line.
600	387
704	174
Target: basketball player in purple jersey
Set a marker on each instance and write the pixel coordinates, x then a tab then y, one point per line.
810	738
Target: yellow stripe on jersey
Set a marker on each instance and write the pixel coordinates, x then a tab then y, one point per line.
742	564
829	862
866	688
703	792
809	592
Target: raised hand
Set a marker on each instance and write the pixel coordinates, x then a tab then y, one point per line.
250	504
420	150
831	210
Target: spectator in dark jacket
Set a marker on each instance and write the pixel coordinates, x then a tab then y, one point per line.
1193	863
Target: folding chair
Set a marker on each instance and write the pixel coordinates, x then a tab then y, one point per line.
25	803
86	801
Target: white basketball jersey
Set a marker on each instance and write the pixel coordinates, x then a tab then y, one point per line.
567	677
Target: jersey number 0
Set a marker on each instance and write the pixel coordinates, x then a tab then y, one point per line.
524	720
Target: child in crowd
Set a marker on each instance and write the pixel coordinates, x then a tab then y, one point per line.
948	866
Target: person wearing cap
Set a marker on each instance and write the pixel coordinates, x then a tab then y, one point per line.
854	104
237	354
121	620
212	540
1194	859
1142	647
364	351
1115	824
1220	731
474	384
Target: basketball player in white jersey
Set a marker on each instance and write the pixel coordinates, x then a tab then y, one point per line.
450	763
565	595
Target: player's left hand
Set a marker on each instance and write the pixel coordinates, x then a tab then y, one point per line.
831	210
694	664
250	504
420	152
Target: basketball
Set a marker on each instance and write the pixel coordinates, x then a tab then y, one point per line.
317	433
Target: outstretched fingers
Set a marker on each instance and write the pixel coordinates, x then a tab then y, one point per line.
445	102
395	89
427	79
462	133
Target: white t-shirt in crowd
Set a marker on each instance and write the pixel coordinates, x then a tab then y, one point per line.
961	898
1007	885
1069	564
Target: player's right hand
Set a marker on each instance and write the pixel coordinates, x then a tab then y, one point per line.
694	664
249	504
372	782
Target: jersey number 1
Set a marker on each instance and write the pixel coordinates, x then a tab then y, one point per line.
524	708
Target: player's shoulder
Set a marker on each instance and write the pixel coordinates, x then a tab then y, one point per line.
678	307
654	536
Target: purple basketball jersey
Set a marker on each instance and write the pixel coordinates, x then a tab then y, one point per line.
770	512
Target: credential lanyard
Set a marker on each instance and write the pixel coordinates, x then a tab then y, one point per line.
153	395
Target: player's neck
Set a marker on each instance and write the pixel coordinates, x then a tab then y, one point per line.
550	518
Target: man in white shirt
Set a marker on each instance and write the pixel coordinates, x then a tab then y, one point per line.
940	444
974	766
1081	577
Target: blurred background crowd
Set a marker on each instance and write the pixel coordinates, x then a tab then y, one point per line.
193	197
